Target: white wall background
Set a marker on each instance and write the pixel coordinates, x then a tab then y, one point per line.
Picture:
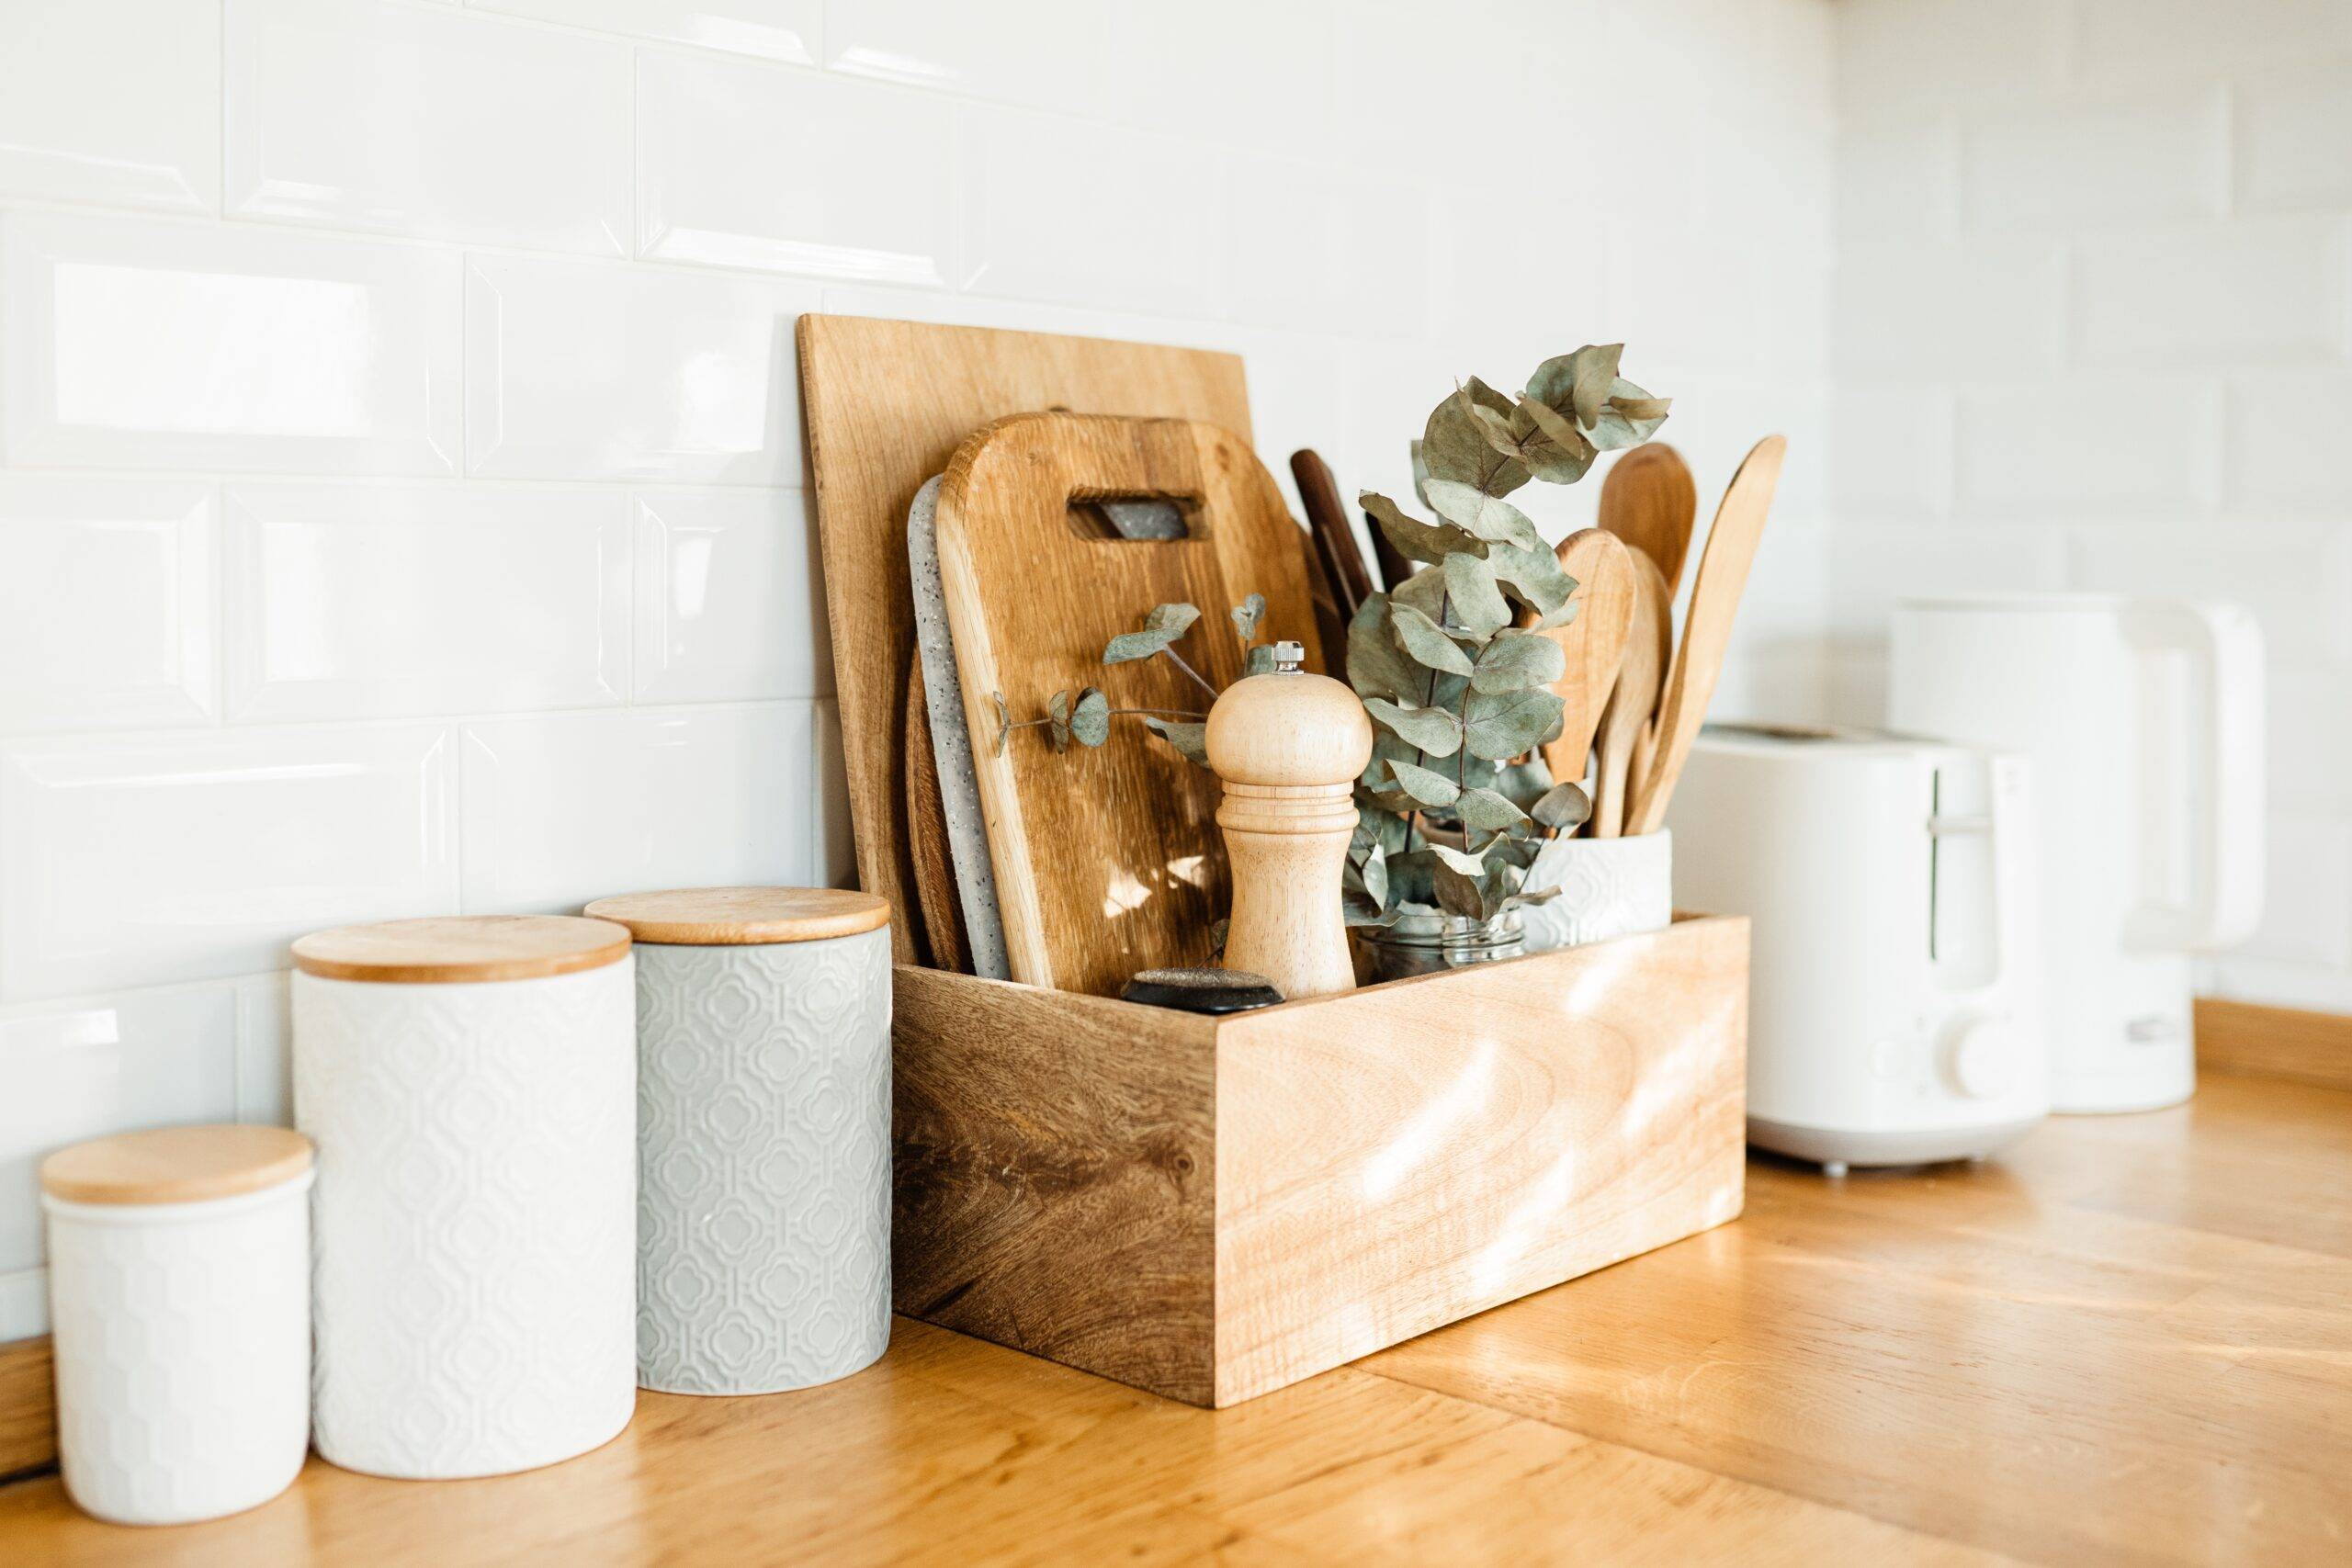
2091	331
400	470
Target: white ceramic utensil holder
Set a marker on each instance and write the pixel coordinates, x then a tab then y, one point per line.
179	1279
763	1117
1609	887
474	1108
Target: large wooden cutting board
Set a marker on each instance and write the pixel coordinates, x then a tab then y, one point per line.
1107	858
886	404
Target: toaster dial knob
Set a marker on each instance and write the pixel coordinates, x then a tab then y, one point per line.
1979	1062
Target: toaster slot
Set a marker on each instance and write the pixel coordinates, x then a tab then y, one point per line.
1963	934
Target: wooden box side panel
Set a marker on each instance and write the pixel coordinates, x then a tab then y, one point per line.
1395	1159
1053	1176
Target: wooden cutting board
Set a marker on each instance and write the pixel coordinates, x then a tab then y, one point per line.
886	404
1107	858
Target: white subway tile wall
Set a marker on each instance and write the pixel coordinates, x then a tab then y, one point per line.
2090	322
402	495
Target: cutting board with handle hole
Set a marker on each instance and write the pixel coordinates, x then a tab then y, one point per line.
1107	858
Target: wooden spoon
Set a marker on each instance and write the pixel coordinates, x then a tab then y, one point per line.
1650	502
1335	542
1706	630
1632	703
1594	642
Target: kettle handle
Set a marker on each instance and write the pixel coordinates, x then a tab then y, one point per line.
2204	791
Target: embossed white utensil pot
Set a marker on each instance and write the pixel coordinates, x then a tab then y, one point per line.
179	1283
470	1084
1608	888
763	1115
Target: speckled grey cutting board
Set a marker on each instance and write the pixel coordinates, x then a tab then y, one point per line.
951	739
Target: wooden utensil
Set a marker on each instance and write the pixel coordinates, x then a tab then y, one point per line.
1650	502
943	911
1327	520
1706	629
1593	643
1632	702
1107	858
1393	565
886	404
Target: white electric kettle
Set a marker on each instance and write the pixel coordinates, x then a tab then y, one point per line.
2143	720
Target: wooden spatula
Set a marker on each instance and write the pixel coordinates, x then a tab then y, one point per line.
1335	542
1593	642
1650	502
1706	630
1632	702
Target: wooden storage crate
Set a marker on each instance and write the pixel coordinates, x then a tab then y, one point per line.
1211	1209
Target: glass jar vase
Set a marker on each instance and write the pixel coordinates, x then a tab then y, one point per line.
1428	944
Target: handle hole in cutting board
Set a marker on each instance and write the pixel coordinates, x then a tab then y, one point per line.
1135	517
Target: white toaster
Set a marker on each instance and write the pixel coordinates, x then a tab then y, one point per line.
1895	1008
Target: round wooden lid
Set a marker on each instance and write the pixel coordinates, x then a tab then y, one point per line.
176	1165
742	916
462	948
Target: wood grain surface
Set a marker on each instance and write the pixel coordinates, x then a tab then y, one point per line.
27	1410
1628	723
1107	858
886	403
1055	1175
176	1165
1593	643
1404	1156
2120	1343
1650	500
928	843
2273	1042
740	917
461	949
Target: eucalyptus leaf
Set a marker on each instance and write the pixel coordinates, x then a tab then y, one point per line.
1258	660
1596	372
1564	806
1089	720
1425	785
1484	515
1477	604
1531	576
1426	641
1421	474
1425	591
1192	740
1482	809
1057	716
1003	721
1521	784
1458	893
1508	723
1431	730
1469	862
1246	617
1162	627
1562	455
1631	418
1376	664
1455	446
1416	539
1410	876
1516	660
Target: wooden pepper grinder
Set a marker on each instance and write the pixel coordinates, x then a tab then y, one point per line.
1289	746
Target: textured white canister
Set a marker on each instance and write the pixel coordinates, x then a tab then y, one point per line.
470	1084
179	1283
1608	888
764	1097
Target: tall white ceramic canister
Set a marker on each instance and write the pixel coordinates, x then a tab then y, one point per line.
764	1095
179	1283
472	1085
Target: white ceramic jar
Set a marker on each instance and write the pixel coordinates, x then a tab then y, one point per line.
179	1283
1608	888
764	1086
470	1084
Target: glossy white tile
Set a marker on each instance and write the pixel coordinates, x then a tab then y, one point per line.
107	594
729	607
1052	56
24	1304
582	370
264	1050
1309	248
130	343
562	810
351	601
1122	219
98	1065
832	852
775	29
1178	71
140	859
113	101
367	115
854	177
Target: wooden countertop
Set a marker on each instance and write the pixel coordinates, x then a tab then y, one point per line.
2129	1341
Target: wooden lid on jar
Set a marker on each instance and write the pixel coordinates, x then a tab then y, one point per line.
742	916
176	1165
459	949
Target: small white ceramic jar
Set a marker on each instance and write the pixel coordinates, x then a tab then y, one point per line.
763	1084
179	1284
1608	888
472	1085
